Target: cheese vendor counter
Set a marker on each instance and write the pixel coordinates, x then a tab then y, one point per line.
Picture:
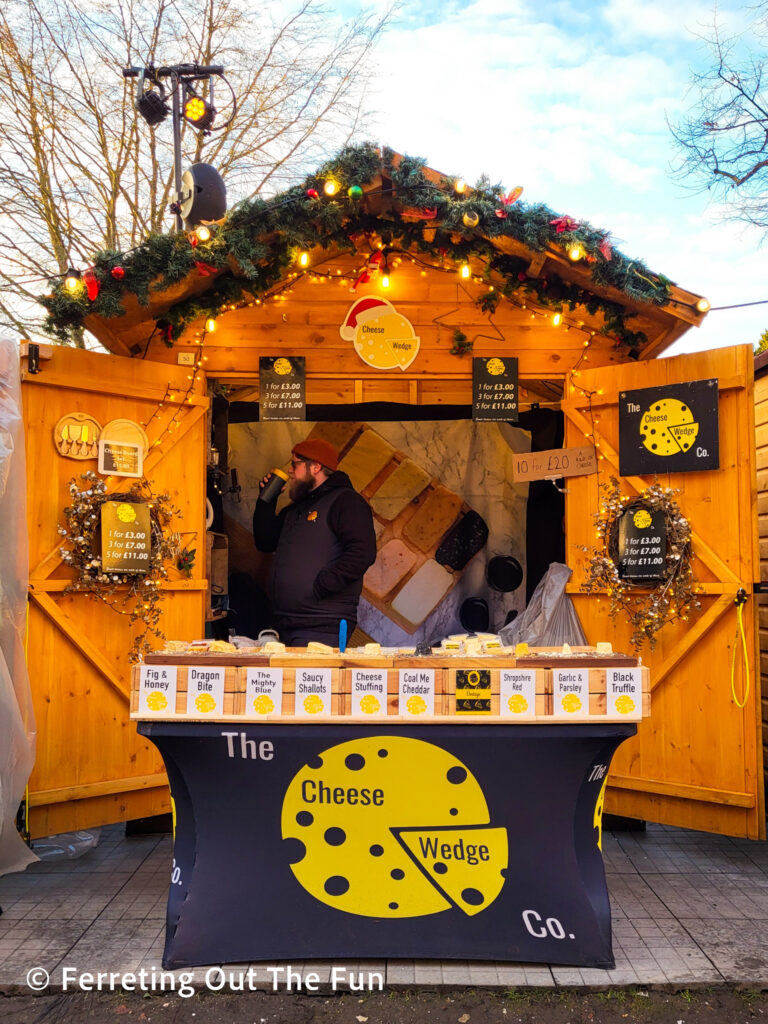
448	822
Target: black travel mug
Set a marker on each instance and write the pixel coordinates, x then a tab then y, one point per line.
274	485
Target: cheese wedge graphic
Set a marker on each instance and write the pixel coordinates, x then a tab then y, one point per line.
467	865
345	815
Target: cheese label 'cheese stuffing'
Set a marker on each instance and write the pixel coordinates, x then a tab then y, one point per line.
361	821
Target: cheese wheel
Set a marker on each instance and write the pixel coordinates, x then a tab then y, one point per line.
360	836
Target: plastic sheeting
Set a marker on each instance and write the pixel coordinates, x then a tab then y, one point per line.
17	722
550	619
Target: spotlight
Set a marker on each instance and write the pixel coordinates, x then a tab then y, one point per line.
72	280
150	104
197	111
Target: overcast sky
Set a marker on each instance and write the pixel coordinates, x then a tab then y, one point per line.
569	100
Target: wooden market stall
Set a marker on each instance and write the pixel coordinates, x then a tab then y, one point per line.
761	446
475	274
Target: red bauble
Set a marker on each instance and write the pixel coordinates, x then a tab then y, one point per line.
313	193
118	273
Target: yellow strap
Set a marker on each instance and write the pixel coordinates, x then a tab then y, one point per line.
740	629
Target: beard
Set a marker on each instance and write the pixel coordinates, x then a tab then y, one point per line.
299	489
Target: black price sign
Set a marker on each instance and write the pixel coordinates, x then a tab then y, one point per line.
642	545
473	692
282	392
126	537
669	429
494	389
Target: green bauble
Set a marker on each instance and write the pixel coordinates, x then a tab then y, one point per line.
355	192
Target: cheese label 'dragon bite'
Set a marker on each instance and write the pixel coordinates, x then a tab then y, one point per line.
392	827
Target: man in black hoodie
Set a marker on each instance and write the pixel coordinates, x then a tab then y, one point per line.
323	543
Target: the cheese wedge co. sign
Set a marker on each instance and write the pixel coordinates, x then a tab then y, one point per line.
381	337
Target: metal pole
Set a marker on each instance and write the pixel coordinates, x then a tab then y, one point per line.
176	117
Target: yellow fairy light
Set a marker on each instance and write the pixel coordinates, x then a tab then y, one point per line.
464	270
703	305
203	233
210	325
557	319
460	186
385	281
576	252
303	259
330	187
73	280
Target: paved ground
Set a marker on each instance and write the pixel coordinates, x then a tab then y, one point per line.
689	909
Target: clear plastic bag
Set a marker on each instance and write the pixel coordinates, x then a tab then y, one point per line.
550	620
66	845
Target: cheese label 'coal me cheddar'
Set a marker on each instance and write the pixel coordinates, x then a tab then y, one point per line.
313	692
571	692
369	692
392	827
205	690
263	692
417	692
517	693
624	693
157	690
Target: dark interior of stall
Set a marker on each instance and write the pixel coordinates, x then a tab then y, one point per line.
239	602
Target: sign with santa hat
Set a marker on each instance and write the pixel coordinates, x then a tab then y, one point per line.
381	337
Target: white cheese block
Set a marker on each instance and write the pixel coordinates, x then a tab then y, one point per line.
423	592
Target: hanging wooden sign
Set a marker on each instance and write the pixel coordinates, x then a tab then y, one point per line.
494	389
282	388
669	429
554	463
121	459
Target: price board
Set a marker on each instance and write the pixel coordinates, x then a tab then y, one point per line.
282	390
555	462
494	389
642	545
126	537
121	459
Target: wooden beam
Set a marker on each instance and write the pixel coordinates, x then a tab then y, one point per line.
682	790
92	789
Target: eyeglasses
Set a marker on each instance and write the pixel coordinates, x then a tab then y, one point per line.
299	462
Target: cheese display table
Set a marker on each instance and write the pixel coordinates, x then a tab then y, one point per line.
436	826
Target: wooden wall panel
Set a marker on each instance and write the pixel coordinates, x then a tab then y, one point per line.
761	445
91	767
697	762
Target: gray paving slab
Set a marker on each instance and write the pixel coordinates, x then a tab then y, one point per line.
688	909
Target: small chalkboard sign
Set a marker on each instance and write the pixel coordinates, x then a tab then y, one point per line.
121	459
282	391
126	537
642	545
494	389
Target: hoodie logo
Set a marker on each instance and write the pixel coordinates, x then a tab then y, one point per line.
312	516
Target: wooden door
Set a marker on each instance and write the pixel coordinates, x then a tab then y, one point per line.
91	766
697	762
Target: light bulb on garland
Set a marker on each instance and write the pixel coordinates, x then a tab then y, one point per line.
203	233
460	186
330	187
557	319
210	324
464	271
385	281
576	252
703	305
72	280
303	259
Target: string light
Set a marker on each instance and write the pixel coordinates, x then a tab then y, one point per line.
210	325
557	319
303	259
460	186
73	280
703	305
203	233
576	252
464	271
330	187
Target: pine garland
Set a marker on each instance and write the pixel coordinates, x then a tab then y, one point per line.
257	240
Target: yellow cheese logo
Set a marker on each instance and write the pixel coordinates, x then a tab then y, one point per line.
495	367
313	705
157	701
381	337
571	702
283	366
312	516
668	428
625	705
642	519
416	705
517	704
369	704
125	513
205	703
363	838
263	704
